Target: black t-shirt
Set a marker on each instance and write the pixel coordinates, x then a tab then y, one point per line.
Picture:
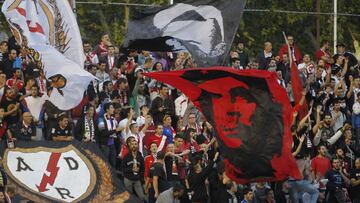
355	174
8	106
60	132
171	169
158	170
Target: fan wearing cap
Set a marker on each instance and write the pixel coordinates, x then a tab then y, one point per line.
341	51
339	68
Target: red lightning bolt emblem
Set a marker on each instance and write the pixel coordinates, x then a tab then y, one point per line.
53	170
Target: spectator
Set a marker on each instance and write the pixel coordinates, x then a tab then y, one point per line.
248	196
86	129
149	161
121	92
244	59
320	164
197	179
265	56
171	195
355	182
108	132
34	104
110	58
158	138
25	130
3	51
168	130
342	53
295	52
101	73
7	64
162	105
133	168
63	131
105	95
324	54
158	174
101	49
11	107
336	185
260	192
90	56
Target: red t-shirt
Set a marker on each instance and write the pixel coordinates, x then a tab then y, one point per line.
154	138
320	165
320	54
149	160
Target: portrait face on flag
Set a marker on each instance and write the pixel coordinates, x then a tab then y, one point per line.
250	113
205	28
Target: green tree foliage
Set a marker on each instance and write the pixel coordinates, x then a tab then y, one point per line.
259	27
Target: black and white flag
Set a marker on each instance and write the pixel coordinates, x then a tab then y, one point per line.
206	28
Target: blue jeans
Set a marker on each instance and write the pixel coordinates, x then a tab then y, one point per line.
297	188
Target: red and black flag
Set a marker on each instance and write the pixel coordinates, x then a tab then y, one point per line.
46	171
206	28
251	116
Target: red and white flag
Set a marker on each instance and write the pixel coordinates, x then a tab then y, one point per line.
48	29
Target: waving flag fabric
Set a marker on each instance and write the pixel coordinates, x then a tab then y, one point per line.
206	28
251	116
49	32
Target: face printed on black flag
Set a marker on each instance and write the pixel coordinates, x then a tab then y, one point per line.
252	130
208	19
205	28
251	116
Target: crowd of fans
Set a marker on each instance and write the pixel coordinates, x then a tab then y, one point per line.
161	145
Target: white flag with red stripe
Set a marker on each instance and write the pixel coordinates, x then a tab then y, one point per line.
48	29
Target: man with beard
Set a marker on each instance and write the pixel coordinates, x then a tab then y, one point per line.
337	183
326	135
244	59
133	168
320	164
11	107
90	56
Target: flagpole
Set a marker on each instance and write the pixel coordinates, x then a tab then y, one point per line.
289	50
335	25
